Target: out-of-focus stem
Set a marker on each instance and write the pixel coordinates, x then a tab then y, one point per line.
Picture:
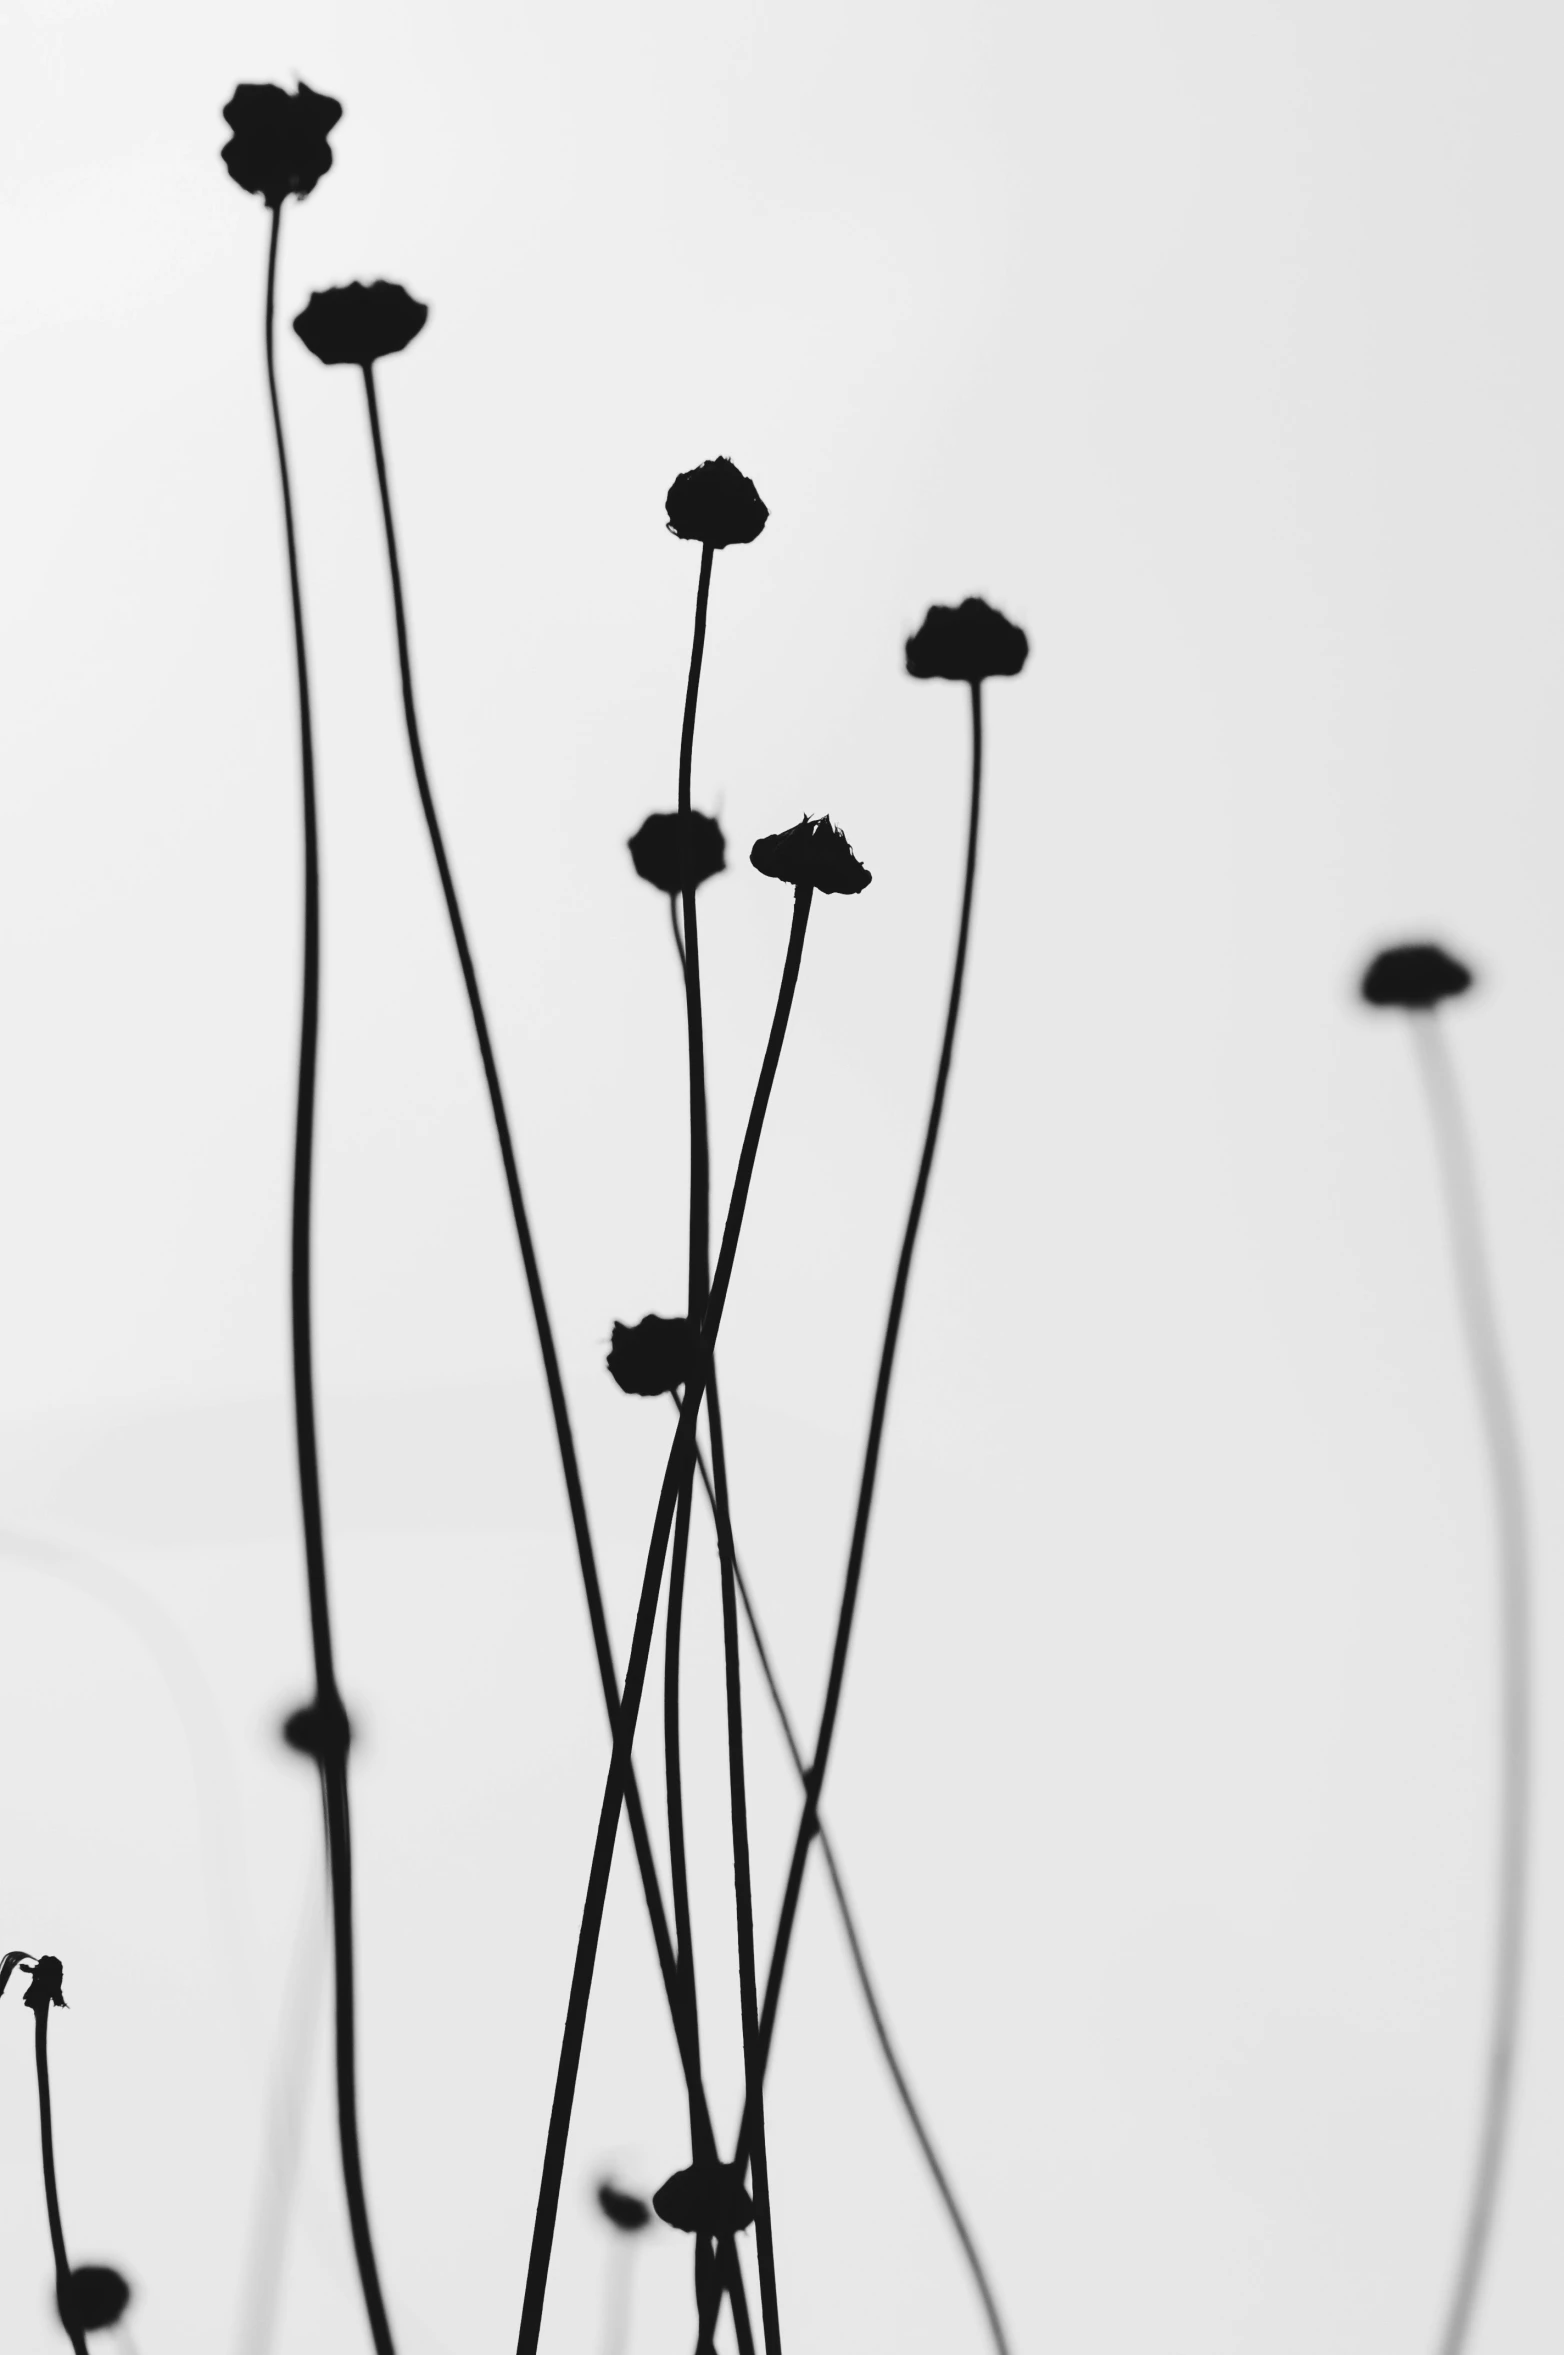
1479	1318
754	2069
860	1962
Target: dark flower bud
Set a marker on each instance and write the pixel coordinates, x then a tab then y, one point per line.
717	505
48	1985
318	1730
711	2199
966	641
353	326
98	2294
651	1357
813	855
625	2210
1417	977
280	143
655	848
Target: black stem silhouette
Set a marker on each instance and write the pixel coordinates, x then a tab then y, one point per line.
328	1700
51	2194
698	1270
564	1435
809	1819
640	1651
1479	1319
860	1960
744	1905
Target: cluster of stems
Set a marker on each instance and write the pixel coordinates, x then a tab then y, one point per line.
718	2271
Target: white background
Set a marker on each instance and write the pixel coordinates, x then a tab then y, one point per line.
1219	345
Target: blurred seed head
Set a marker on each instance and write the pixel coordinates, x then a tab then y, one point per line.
353	326
655	849
967	641
99	2295
280	145
626	2210
712	2199
318	1730
1415	977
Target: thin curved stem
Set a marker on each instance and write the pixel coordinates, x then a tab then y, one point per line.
744	1906
558	1405
678	1869
697	1279
860	1962
1479	1318
333	1758
547	2211
51	2194
809	1819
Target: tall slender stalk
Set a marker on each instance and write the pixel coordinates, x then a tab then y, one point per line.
810	1816
860	1960
640	1651
330	1715
51	2193
689	2054
1479	1318
744	1906
696	1285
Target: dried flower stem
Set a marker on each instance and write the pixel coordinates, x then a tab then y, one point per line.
689	2054
754	2066
860	1961
333	1757
698	1274
51	2193
810	1817
640	1651
1479	1318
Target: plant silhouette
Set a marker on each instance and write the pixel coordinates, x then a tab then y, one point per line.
45	1994
280	149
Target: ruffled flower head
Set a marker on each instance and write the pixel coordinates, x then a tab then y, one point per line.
712	2200
813	855
652	1357
354	326
966	641
47	1973
99	2295
1416	977
716	505
626	2210
655	850
281	142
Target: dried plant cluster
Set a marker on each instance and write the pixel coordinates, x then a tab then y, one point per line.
279	149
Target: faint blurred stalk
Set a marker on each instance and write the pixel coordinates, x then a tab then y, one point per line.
860	1961
1416	979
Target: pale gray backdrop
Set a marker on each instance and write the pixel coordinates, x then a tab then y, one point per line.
1219	345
